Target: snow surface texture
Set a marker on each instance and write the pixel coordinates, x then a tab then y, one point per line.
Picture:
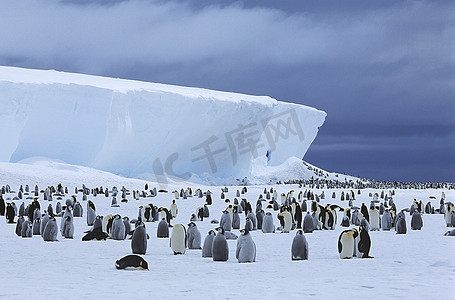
146	130
417	265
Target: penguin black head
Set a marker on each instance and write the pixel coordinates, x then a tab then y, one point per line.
299	232
144	264
211	232
191	224
244	231
220	230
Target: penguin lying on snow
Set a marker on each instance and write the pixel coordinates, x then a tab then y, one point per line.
132	261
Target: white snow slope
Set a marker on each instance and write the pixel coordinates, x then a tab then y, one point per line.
140	129
417	265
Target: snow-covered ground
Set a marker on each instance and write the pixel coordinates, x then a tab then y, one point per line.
418	265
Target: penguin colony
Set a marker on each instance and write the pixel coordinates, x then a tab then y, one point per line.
45	213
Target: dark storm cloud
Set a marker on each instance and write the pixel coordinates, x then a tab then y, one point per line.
384	71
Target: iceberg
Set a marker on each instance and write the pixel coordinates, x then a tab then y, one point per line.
133	128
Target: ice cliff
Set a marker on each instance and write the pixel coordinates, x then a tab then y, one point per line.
134	128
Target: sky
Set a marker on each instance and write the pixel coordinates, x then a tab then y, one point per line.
384	71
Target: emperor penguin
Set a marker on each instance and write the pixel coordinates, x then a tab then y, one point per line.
253	219
346	243
226	221
267	223
131	261
43	223
194	236
68	213
51	230
386	220
77	210
68	228
448	213
200	214
118	228
235	218
139	239
364	211
287	218
178	241
36	226
58	208
260	218
246	248
299	248
308	223
220	249
208	242
98	223
22	209
364	244
206	211
416	221
298	215
2	205
374	218
10	214
126	222
345	221
19	223
107	223
174	209
26	230
400	223
162	231
248	224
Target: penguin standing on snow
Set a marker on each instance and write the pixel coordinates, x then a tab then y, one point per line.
26	229
364	211
68	228
51	230
416	221
194	236
179	240
299	248
162	231
208	242
346	243
235	218
267	223
225	221
364	244
400	225
220	249
10	214
386	220
139	239
246	248
308	223
118	228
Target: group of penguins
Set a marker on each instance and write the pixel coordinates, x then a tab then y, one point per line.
303	212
